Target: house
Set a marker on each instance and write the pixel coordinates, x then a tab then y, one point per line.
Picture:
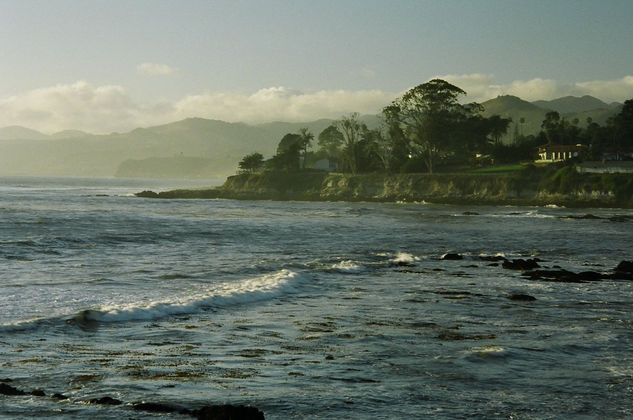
559	152
325	165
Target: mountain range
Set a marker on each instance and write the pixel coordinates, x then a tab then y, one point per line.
202	148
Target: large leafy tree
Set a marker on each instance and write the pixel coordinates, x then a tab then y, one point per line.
330	141
430	117
288	153
252	162
352	130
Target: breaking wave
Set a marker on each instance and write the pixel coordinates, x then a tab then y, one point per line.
216	296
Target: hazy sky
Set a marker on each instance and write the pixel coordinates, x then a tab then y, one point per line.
113	65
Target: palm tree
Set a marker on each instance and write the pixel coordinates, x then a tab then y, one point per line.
305	142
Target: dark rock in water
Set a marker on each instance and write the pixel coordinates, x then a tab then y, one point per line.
10	390
158	408
625	267
564	276
59	396
106	401
621	218
404	264
590	276
470	213
521	264
38	393
147	194
522	297
585	217
452	256
228	412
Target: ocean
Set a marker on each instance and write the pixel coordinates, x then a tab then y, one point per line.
306	310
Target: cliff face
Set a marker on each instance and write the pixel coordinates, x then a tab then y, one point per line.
529	187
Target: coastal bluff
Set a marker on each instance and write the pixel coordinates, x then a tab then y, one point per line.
531	186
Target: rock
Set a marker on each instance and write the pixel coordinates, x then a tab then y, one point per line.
38	393
10	390
564	276
521	264
470	213
620	218
522	297
228	412
452	256
106	401
587	216
147	194
625	267
158	408
590	276
59	396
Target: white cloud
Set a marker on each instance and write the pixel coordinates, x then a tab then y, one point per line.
103	109
80	106
480	87
154	69
279	103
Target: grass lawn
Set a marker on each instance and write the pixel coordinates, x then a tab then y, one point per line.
499	169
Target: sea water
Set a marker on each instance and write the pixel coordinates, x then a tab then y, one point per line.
306	309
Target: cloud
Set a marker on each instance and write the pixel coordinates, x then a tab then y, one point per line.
279	103
79	105
481	87
104	109
154	69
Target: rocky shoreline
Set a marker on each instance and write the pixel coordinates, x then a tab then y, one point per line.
207	412
533	188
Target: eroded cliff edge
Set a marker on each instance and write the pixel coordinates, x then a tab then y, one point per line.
561	186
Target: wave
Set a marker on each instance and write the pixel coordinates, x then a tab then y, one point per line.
404	258
217	296
347	266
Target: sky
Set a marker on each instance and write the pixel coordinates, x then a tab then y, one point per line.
114	65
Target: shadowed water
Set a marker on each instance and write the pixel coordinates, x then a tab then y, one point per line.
306	310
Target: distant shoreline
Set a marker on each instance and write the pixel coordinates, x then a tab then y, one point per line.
564	187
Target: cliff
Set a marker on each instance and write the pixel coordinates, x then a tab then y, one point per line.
531	186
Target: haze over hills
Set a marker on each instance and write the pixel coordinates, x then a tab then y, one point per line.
202	148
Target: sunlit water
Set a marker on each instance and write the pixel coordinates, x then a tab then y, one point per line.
306	310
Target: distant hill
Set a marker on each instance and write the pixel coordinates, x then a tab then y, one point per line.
16	132
198	147
573	104
519	110
533	113
69	134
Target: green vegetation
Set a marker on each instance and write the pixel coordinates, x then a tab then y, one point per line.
499	169
428	130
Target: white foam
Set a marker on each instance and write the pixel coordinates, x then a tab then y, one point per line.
347	266
404	257
220	295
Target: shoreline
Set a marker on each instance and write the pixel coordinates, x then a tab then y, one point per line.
564	188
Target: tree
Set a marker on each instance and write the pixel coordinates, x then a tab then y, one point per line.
251	163
498	127
623	123
288	153
550	126
330	141
429	116
352	130
305	142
